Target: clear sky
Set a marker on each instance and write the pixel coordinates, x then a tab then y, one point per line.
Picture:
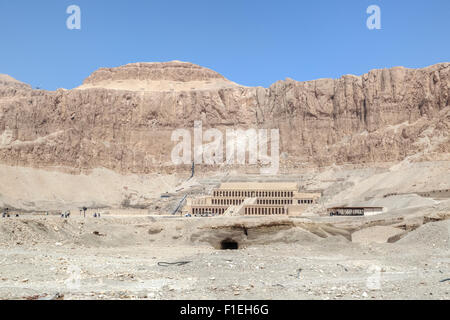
254	43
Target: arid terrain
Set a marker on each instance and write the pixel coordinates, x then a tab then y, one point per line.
120	257
380	139
116	256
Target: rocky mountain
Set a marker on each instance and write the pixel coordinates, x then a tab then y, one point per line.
157	76
7	81
122	118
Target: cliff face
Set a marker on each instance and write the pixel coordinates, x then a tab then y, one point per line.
122	118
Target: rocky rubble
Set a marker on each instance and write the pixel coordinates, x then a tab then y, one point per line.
127	263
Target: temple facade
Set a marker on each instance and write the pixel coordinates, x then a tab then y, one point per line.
251	198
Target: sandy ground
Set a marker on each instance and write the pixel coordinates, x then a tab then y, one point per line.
41	190
402	253
117	258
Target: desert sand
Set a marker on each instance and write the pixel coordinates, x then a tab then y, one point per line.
119	255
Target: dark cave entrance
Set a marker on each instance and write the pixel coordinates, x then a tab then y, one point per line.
229	244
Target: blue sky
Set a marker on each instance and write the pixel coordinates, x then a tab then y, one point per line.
254	43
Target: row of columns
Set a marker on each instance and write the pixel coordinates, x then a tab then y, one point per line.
265	211
227	201
252	194
208	210
248	211
274	201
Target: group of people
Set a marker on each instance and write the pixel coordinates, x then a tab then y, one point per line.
6	214
66	214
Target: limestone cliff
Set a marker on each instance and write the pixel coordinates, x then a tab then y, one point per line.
122	118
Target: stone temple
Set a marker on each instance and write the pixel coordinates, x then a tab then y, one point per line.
252	199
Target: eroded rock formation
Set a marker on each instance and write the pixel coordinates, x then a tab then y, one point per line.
122	118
